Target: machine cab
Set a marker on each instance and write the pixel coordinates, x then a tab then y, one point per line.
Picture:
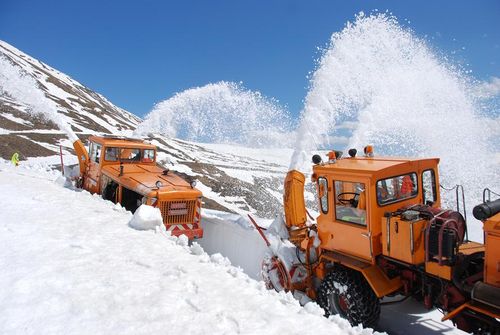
354	194
114	151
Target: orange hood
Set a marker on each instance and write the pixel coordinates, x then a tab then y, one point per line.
142	179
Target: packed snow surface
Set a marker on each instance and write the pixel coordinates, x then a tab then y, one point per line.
72	265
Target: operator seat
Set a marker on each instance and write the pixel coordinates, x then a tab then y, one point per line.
362	201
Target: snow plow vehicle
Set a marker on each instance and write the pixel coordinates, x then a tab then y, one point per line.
381	232
124	171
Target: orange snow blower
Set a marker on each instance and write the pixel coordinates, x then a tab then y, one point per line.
381	231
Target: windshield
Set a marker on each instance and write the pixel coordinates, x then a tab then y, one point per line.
128	155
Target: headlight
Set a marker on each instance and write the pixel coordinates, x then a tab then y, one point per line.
158	184
193	183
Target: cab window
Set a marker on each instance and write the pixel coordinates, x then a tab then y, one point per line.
111	154
323	194
395	189
122	154
350	202
95	152
133	155
148	155
429	186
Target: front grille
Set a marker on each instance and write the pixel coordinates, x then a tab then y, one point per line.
177	212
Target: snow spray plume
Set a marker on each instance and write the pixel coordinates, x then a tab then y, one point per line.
222	112
24	89
402	98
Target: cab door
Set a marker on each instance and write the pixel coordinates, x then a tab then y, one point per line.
348	230
91	181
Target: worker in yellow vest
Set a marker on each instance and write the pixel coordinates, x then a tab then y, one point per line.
15	159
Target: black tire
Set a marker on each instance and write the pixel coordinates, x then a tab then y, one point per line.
357	303
110	192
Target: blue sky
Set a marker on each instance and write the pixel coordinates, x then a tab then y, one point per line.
139	53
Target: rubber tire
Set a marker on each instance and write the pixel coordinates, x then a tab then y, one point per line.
363	306
109	192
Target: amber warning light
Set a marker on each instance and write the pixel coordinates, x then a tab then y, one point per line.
368	151
332	157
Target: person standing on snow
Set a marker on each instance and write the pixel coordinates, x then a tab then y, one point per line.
15	159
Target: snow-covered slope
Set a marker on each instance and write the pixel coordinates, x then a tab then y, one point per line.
72	265
87	111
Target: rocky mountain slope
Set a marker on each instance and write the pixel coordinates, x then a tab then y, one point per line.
88	111
234	179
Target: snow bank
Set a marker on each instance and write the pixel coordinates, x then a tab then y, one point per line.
234	237
72	265
146	218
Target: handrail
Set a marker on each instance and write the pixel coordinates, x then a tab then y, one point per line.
489	192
